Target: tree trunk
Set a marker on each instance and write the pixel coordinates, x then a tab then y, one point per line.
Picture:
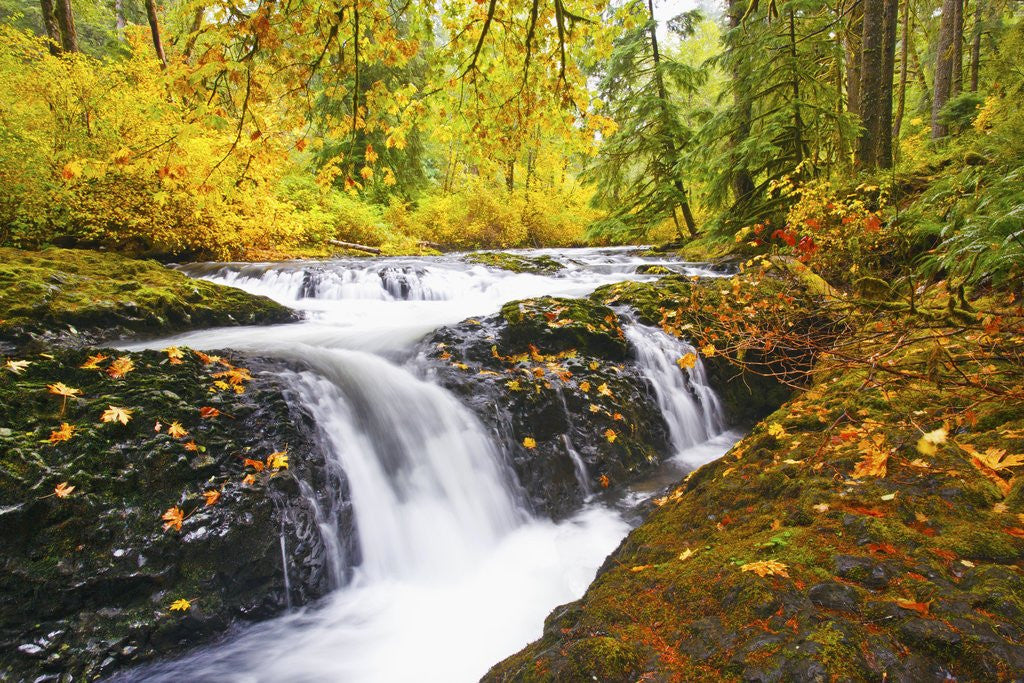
510	175
943	66
976	44
66	24
871	83
854	32
52	28
901	97
670	147
154	28
193	33
884	155
924	105
741	182
957	84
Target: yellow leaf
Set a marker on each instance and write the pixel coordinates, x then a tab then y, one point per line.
584	386
120	367
93	362
776	430
686	554
61	389
765	568
62	490
640	568
610	435
17	366
687	361
181	605
529	442
594	408
929	441
114	414
175	430
604	390
278	460
708	350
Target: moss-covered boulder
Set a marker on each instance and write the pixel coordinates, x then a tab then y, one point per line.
78	297
517	263
551	377
869	529
129	481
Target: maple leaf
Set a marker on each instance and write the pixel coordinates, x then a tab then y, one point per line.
211	496
708	350
919	607
873	462
585	386
594	408
205	359
610	435
765	568
62	490
604	390
93	362
174	355
157	426
255	464
249	479
776	430
191	446
180	605
686	554
17	366
687	362
604	481
173	518
995	458
929	441
65	432
61	389
115	414
176	431
121	366
208	413
278	460
529	442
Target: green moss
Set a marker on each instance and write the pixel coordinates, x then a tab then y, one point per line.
515	262
106	294
558	324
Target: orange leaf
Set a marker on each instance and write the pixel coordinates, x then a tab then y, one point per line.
211	496
255	464
62	490
1014	531
176	431
93	362
208	413
919	607
65	432
173	518
120	367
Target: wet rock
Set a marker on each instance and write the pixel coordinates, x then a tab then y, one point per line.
863	570
837	596
930	634
97	568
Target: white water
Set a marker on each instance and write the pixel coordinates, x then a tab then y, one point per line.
453	575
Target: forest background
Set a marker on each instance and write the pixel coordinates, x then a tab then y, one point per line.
867	131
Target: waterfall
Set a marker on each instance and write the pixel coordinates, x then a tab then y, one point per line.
690	407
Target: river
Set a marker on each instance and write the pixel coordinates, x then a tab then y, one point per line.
453	573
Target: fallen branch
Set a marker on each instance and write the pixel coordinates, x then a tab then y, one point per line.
353	245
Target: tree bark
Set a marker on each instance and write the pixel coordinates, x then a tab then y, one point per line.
52	28
193	34
976	44
884	156
925	103
901	96
871	83
853	47
670	147
957	83
154	28
66	24
943	66
741	182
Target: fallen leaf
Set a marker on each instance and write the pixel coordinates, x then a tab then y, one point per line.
174	355
17	366
529	442
249	479
820	507
175	430
278	460
65	432
61	389
208	413
115	414
610	435
255	464
604	481
173	518
62	490
584	386
765	568
929	441
180	605
686	554
1015	531
640	568
873	462
776	430
121	366
211	496
604	390
919	607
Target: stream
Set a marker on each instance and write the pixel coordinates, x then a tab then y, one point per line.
453	572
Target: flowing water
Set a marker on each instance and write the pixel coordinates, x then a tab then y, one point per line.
453	574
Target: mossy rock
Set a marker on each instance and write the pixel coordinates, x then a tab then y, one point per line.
79	297
516	263
560	324
88	578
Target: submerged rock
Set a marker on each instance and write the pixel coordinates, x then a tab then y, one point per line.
89	577
517	263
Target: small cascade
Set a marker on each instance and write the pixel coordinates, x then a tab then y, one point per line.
582	476
284	566
691	408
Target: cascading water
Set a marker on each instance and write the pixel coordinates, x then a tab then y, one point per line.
452	574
